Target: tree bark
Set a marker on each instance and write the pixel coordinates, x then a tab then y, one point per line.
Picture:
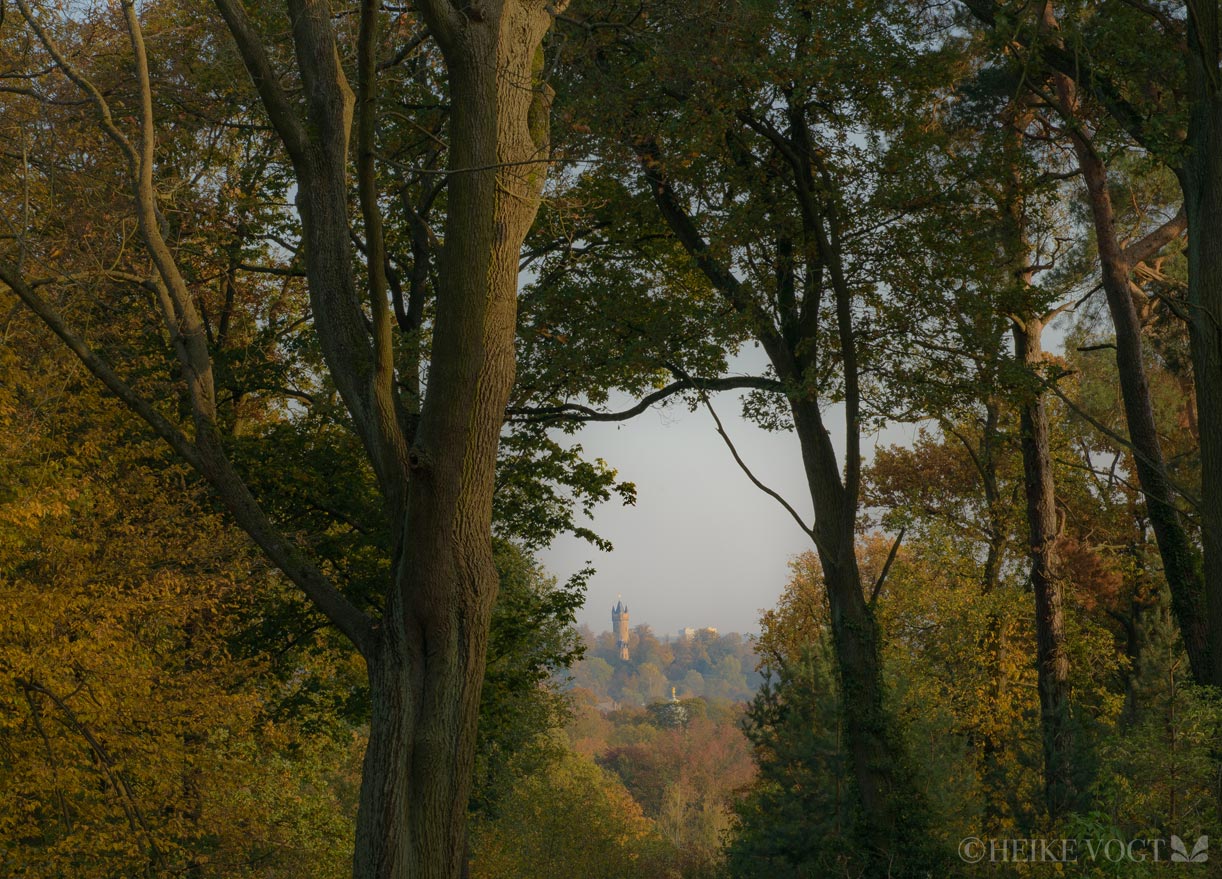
855	631
427	671
1179	561
1052	659
1201	181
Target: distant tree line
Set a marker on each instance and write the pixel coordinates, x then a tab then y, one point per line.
706	664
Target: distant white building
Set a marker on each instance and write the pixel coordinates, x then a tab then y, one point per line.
688	633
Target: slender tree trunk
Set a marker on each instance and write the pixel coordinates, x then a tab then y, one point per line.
985	459
992	643
1201	181
1179	562
1052	659
875	757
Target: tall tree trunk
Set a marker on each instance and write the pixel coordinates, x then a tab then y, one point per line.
436	469
1201	181
1052	659
1179	562
426	653
876	758
428	670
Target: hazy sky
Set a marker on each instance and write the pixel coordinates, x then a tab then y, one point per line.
702	546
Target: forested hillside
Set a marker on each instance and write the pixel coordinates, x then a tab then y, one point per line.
305	305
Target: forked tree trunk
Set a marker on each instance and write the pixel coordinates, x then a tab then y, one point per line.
428	666
426	654
1052	658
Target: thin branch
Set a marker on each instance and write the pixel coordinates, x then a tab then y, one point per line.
61	801
387	415
110	768
70	70
404	51
282	271
1073	65
163	427
279	109
182	317
776	496
719	275
882	577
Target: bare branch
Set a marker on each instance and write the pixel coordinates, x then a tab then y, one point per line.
719	275
776	496
1149	245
